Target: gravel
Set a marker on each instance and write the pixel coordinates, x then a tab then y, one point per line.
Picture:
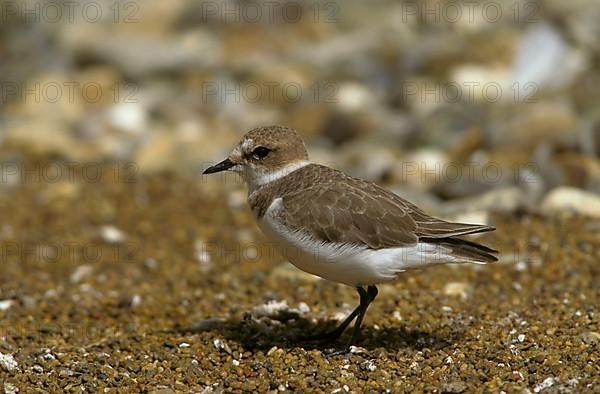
147	317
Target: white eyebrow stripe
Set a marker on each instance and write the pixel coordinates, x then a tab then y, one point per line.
247	145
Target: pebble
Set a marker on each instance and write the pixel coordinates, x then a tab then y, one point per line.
556	66
6	304
10	388
270	309
357	350
425	168
355	97
136	301
455	386
370	366
130	117
565	200
151	263
201	252
222	345
80	273
45	137
8	362
303	307
480	77
460	289
545	384
590	337
112	234
503	200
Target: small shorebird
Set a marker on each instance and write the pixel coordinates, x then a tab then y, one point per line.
341	228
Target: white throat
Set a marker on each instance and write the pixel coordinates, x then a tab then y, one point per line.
259	178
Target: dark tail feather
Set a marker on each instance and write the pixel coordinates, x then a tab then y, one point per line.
441	229
472	252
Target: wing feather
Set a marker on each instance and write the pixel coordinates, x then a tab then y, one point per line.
342	209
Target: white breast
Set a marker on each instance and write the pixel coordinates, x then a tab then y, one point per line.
351	265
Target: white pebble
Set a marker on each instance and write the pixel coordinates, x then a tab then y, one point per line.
521	266
570	199
370	365
151	263
130	117
357	349
201	252
460	289
271	308
48	356
303	307
547	383
136	300
80	273
8	362
5	304
112	235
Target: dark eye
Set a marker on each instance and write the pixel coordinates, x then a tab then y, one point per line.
260	152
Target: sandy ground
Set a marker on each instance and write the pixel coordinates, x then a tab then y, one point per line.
157	285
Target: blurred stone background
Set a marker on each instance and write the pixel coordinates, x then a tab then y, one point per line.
493	104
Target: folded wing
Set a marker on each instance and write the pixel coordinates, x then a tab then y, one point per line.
362	213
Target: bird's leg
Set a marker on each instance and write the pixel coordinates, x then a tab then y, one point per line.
333	335
365	300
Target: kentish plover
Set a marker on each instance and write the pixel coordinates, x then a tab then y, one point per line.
341	228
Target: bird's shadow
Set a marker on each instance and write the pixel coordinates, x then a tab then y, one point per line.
287	332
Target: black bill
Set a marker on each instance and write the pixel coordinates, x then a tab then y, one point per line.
222	166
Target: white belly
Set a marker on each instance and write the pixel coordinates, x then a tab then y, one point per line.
351	265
